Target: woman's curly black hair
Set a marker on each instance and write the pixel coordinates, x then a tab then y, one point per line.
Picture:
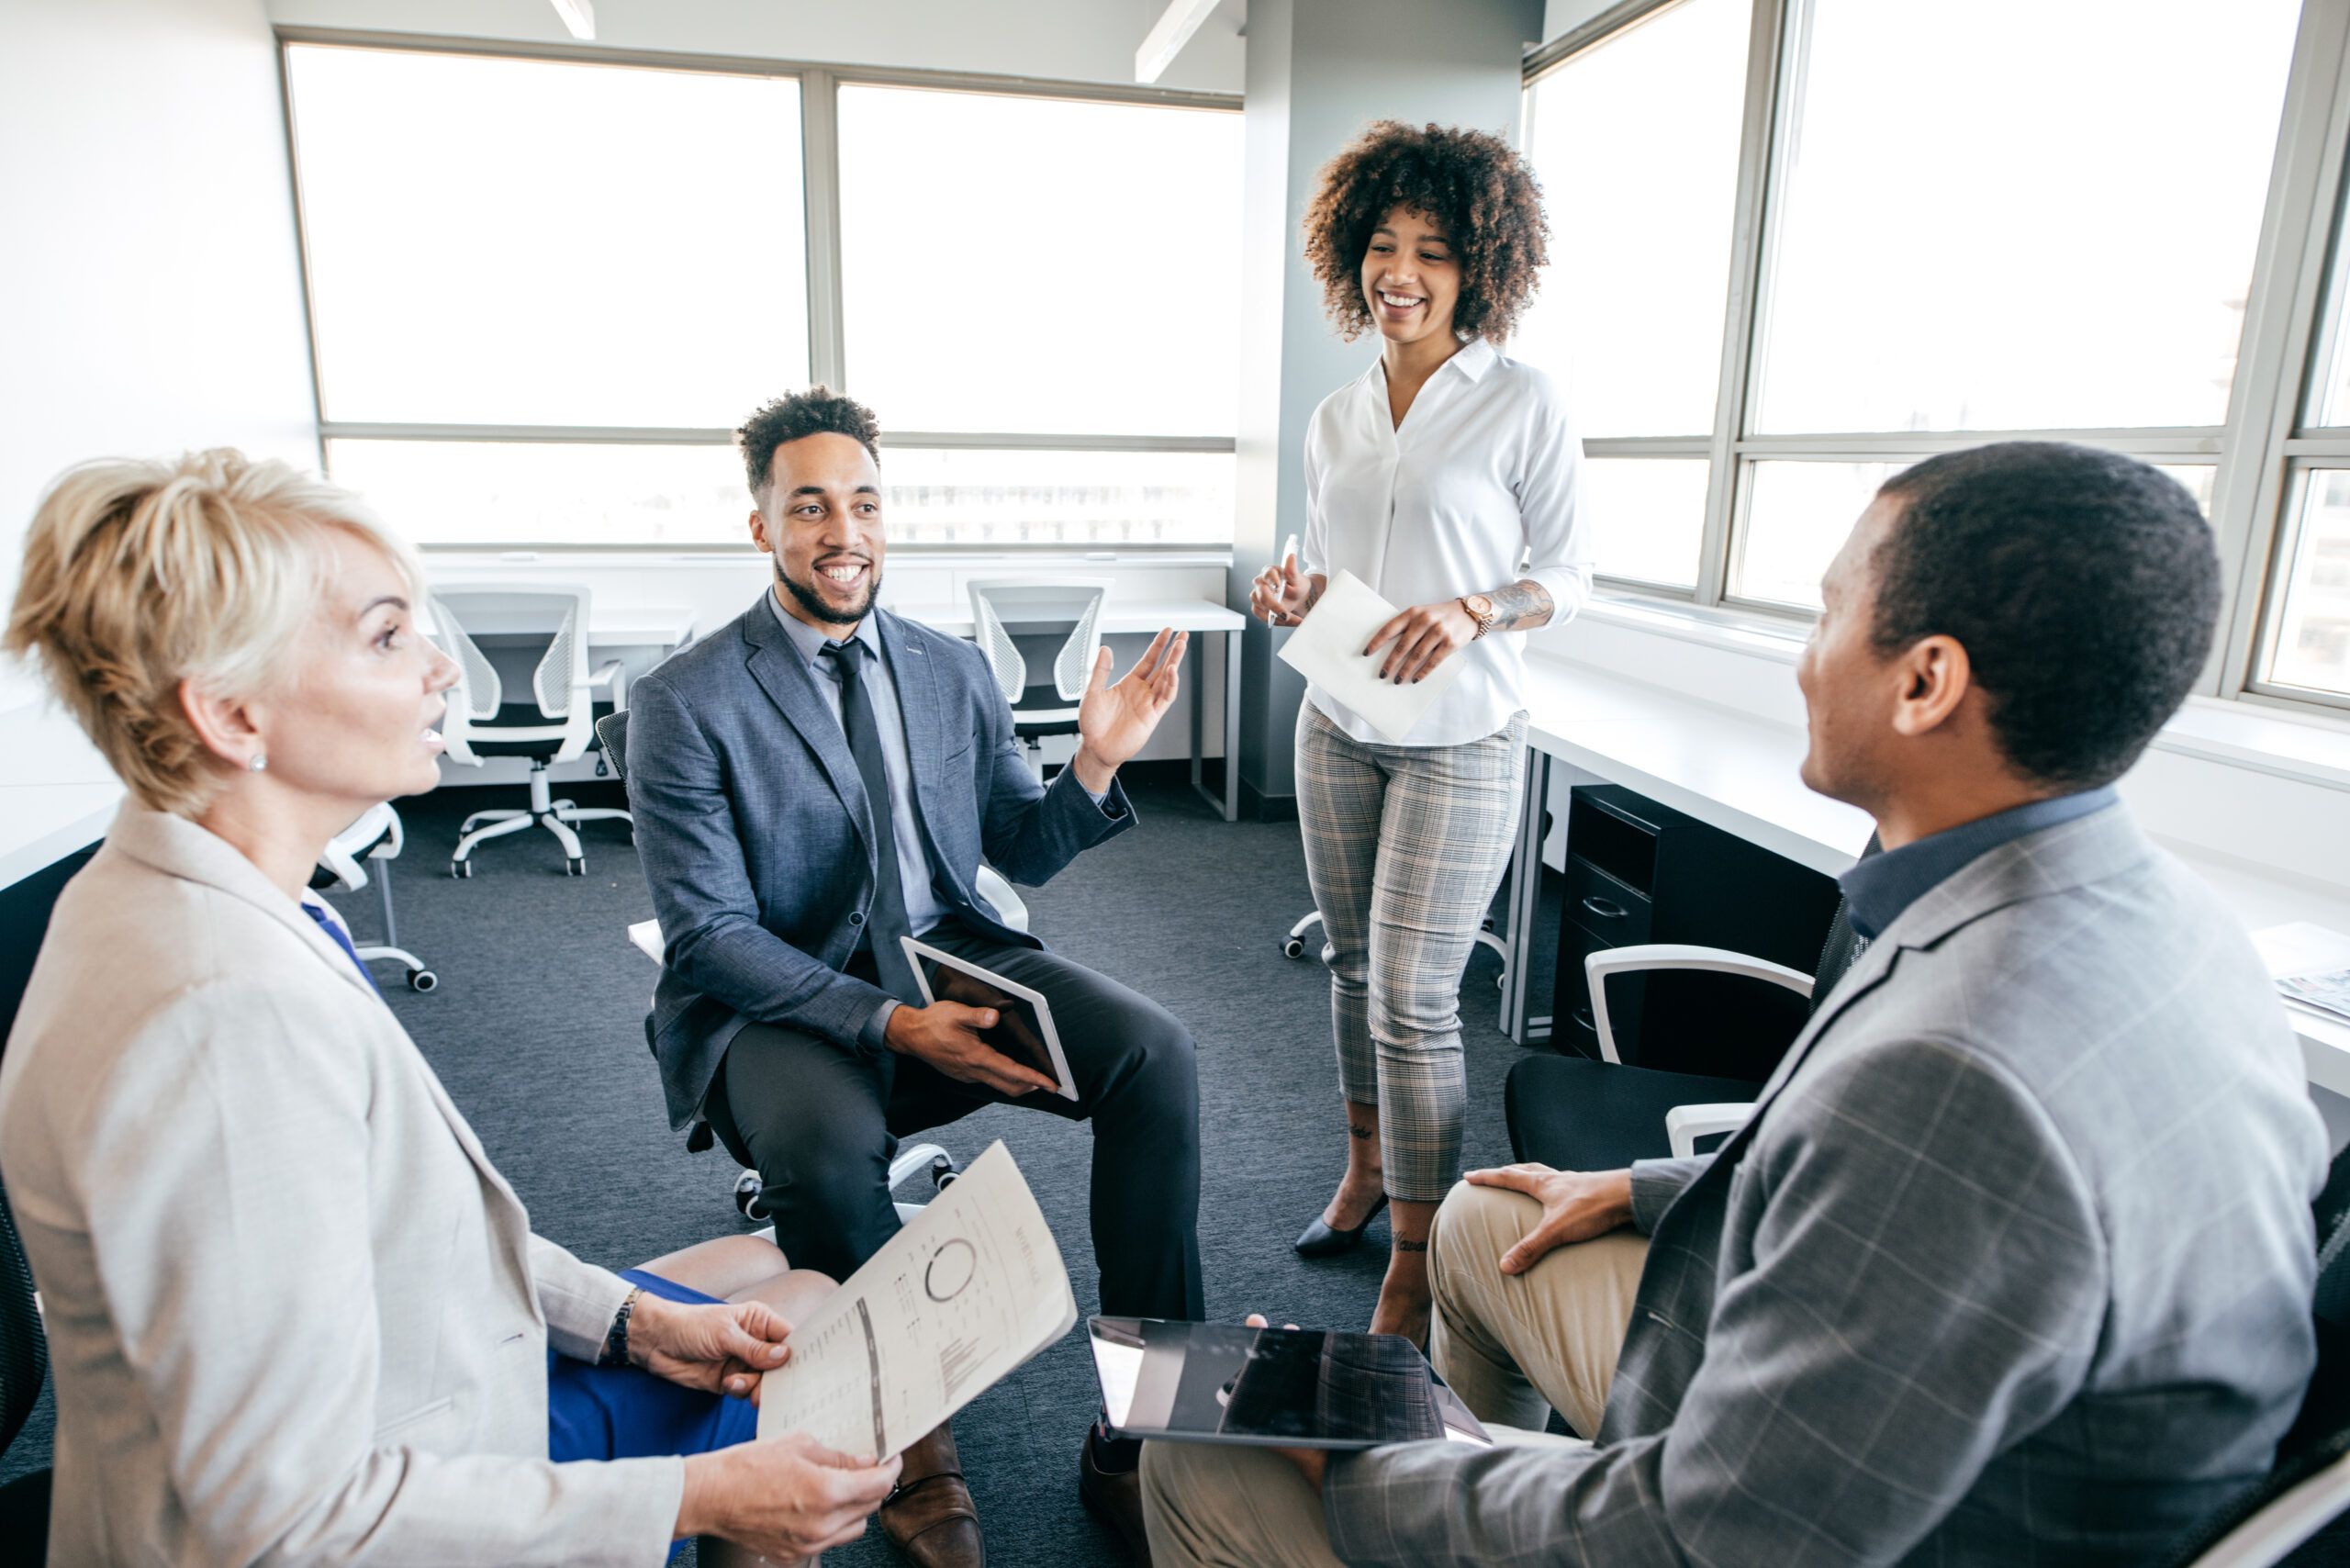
1475	186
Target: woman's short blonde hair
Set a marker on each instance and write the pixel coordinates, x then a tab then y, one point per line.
139	575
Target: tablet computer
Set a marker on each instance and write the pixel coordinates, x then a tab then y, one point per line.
1220	1382
1023	1029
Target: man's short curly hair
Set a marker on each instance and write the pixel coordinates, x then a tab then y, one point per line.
812	412
1476	188
2084	585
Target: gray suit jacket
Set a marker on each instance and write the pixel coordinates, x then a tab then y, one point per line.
759	845
2012	1265
295	1315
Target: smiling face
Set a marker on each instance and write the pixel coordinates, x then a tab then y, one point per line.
355	722
1411	277
822	522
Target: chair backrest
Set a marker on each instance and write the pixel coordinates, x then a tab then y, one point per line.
1844	943
612	730
559	682
997	603
342	864
24	1350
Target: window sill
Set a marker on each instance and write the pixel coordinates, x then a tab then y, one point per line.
2313	748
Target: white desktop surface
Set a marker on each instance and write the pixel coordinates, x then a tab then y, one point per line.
1120	617
1739	774
59	794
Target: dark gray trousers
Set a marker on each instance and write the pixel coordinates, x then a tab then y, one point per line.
819	1122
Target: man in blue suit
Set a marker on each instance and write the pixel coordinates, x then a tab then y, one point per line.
812	783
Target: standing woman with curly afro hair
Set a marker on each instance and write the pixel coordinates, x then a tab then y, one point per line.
1444	477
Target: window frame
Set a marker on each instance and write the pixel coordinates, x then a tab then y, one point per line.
2259	452
827	348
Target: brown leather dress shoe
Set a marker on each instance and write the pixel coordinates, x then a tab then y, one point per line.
1115	1498
929	1517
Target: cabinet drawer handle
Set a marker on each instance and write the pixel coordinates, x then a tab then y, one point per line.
1604	909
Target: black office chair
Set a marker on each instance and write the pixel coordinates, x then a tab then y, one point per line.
24	1363
1575	1114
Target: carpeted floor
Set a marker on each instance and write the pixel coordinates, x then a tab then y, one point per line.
537	1031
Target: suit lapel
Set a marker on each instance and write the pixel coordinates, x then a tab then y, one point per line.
784	676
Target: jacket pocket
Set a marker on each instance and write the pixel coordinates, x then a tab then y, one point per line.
405	1426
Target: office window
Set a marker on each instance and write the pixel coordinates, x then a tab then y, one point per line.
1040	265
2309	647
2012	214
1800	513
1636	143
529	242
517	492
1645	515
1086	499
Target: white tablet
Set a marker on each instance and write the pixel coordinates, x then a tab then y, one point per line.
1023	1029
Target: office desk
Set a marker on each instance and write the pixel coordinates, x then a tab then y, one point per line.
1142	617
1740	773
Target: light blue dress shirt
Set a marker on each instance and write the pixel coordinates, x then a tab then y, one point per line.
924	908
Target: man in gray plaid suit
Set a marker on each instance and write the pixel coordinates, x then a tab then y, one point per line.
2013	1261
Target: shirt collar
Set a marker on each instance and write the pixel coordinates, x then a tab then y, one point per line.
1472	359
1878	888
807	639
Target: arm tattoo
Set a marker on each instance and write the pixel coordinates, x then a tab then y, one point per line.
1521	607
1400	1245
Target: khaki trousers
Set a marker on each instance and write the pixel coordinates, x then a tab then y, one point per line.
1514	1349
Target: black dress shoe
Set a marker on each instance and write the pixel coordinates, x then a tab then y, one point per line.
1114	1496
1321	1241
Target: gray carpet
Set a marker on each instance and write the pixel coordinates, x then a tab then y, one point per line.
537	1031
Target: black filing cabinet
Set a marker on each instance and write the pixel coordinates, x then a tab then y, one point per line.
1638	871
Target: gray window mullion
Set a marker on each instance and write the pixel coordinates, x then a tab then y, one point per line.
820	145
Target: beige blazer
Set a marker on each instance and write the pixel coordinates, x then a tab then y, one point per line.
294	1315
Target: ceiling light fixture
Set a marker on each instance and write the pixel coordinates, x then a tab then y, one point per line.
1169	35
579	16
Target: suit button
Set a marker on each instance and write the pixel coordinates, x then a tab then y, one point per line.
856	917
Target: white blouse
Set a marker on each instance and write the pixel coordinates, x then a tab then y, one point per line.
1476	490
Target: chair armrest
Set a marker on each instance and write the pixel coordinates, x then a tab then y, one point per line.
1685	1124
1645	956
646	935
605	673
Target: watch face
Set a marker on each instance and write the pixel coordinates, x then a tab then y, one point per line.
1479	605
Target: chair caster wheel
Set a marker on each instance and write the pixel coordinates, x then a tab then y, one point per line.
423	980
943	1173
1293	949
747	1193
461	868
1501	981
576	867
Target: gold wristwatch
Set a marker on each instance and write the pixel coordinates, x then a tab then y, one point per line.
1481	610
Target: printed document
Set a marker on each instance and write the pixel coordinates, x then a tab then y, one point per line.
971	1288
2310	964
1328	651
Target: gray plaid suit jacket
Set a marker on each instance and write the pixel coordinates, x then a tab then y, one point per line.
2013	1264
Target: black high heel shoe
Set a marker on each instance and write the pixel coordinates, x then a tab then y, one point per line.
1322	1240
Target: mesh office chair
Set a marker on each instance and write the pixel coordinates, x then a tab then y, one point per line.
559	728
24	1365
375	837
1575	1114
1044	709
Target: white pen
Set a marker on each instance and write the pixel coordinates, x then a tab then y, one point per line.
1289	553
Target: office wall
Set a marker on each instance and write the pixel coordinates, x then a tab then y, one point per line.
150	296
1076	41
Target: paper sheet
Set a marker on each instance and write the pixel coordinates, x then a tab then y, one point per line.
971	1288
1327	651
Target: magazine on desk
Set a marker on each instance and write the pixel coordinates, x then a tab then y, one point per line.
2311	966
969	1290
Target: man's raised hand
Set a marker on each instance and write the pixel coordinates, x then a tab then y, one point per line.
1112	722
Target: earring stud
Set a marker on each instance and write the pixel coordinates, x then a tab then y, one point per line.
260	762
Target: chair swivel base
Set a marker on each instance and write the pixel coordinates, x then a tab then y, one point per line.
1293	945
558	817
419	978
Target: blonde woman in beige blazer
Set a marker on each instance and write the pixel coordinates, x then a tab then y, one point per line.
295	1314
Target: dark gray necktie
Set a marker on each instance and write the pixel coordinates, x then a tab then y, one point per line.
885	922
